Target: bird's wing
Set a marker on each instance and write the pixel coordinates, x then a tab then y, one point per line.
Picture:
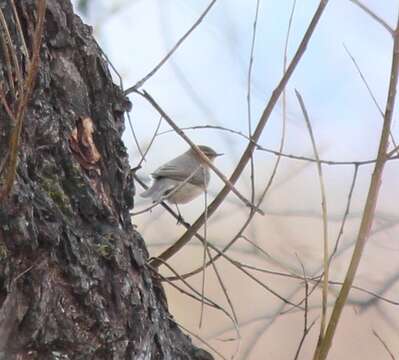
171	171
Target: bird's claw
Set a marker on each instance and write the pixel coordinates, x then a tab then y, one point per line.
180	220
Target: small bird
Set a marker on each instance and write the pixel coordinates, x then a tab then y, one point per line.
181	179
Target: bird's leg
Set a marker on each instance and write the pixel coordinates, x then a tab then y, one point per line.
180	219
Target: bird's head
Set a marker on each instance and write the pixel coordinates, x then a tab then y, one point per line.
209	152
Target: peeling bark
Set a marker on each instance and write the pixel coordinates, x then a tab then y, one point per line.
73	277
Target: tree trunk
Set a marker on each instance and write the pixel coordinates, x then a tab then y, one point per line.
74	283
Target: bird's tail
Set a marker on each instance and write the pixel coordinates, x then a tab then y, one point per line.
159	189
147	193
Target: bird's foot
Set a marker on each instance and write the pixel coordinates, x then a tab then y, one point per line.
180	220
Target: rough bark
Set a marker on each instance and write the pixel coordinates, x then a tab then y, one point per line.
74	283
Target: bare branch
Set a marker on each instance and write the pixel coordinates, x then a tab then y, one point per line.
249	85
384	344
368	89
325	217
347	209
206	250
134	135
373	15
150	144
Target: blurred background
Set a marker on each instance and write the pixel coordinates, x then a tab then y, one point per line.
205	82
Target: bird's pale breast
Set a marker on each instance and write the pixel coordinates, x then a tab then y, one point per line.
185	194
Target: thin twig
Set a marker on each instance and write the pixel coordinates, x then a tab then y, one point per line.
205	245
368	89
343	222
373	15
269	183
373	294
390	155
224	289
196	295
6	106
20	32
305	322
136	141
238	265
325	217
365	82
283	130
285	61
7	47
249	86
221	283
16	67
306	329
346	213
24	99
150	144
266	254
249	105
141	82
107	59
384	344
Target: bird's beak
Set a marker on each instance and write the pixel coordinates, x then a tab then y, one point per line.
217	155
